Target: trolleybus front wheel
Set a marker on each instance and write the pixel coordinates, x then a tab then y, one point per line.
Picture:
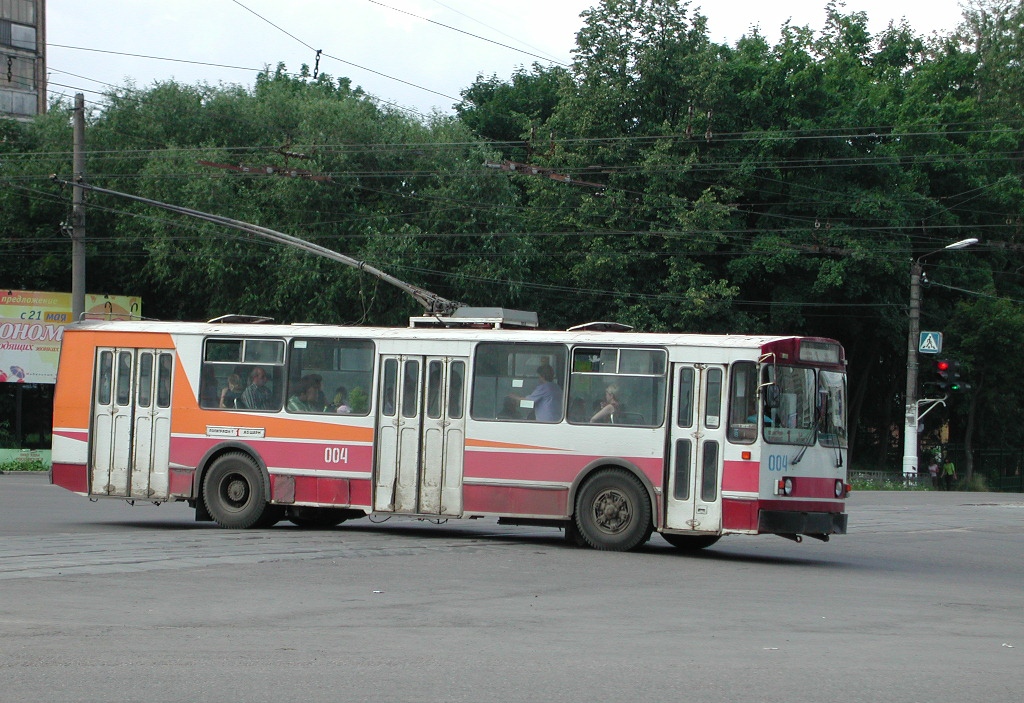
613	512
233	492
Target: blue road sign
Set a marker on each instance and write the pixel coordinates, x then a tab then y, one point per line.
930	343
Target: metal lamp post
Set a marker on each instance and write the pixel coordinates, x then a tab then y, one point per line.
913	335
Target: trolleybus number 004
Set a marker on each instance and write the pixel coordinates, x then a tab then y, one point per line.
336	455
778	462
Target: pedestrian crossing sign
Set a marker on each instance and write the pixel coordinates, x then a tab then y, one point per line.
930	343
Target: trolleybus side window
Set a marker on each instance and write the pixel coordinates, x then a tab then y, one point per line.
832	408
163	381
145	379
257	363
709	472
123	392
524	382
713	400
682	470
411	388
456	384
793	417
618	386
106	378
743	403
685	394
390	387
330	376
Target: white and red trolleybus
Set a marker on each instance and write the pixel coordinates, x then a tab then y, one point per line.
256	423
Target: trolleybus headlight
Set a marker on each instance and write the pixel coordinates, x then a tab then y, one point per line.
785	486
841	488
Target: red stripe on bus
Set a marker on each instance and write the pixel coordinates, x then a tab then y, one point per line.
740	476
513	500
739	514
73	477
282	454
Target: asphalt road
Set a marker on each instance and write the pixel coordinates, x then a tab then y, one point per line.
922	601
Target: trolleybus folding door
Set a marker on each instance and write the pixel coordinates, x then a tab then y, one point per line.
697	435
420	435
131	427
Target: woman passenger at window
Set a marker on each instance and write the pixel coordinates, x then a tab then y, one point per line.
232	392
609	406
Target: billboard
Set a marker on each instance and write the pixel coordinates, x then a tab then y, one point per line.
32	326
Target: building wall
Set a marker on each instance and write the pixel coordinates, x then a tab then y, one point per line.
22	58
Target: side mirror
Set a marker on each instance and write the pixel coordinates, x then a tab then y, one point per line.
771	395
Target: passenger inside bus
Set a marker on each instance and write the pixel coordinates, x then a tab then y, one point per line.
608	406
340	401
509	409
232	392
305	398
258	395
545	399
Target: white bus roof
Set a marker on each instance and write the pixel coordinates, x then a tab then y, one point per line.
724	341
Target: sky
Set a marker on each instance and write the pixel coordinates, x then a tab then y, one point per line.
417	54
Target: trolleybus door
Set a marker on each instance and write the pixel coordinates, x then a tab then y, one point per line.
131	428
420	435
693	498
444	434
151	445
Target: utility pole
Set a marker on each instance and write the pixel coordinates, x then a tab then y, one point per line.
910	424
913	338
78	211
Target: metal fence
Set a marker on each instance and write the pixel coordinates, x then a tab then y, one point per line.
1001	470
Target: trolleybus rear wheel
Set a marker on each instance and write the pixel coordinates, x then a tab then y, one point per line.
233	492
613	512
691	543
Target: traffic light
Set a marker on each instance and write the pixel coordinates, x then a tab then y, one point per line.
954	376
948	373
942	373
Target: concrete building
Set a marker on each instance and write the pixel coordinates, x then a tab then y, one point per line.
22	58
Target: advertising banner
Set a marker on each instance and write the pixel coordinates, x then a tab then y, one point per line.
32	326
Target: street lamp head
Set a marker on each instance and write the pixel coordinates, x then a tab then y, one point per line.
962	244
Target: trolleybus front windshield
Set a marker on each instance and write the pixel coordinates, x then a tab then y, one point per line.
792	419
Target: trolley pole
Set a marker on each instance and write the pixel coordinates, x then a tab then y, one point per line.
78	211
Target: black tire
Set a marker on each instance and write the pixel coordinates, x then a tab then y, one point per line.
234	493
572	535
317	518
691	543
613	511
272	515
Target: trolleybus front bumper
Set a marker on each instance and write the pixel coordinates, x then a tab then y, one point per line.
780	522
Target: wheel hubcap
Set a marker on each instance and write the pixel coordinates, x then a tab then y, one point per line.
611	511
237	491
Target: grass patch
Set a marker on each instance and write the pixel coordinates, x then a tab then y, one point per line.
33	465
